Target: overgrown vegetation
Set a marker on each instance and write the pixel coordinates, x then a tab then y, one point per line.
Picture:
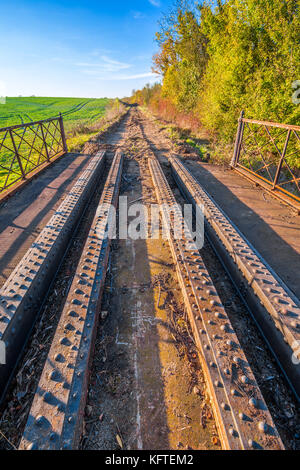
217	58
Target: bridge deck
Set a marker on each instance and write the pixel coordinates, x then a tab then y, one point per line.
25	214
272	227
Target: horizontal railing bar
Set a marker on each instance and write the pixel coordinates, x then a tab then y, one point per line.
29	124
273	184
291	195
271	124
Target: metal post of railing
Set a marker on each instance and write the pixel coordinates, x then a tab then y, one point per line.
62	131
45	143
17	154
238	140
281	159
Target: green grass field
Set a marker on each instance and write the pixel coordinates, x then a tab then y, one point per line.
74	110
80	117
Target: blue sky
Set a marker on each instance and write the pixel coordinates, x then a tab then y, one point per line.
77	48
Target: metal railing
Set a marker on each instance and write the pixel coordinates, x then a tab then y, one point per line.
27	148
268	153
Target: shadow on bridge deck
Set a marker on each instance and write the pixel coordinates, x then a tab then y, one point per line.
24	215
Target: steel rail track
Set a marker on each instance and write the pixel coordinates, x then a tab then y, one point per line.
272	305
242	417
22	295
55	418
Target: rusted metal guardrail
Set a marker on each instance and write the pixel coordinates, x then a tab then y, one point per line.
268	153
26	149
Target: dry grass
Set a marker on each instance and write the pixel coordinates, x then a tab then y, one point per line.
186	127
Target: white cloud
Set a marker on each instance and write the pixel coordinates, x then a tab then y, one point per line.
107	65
108	69
115	62
134	77
138	15
101	76
155	3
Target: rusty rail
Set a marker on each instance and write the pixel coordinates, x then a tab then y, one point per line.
24	292
268	153
274	308
242	417
25	149
56	416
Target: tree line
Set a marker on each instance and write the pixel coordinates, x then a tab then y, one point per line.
217	58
